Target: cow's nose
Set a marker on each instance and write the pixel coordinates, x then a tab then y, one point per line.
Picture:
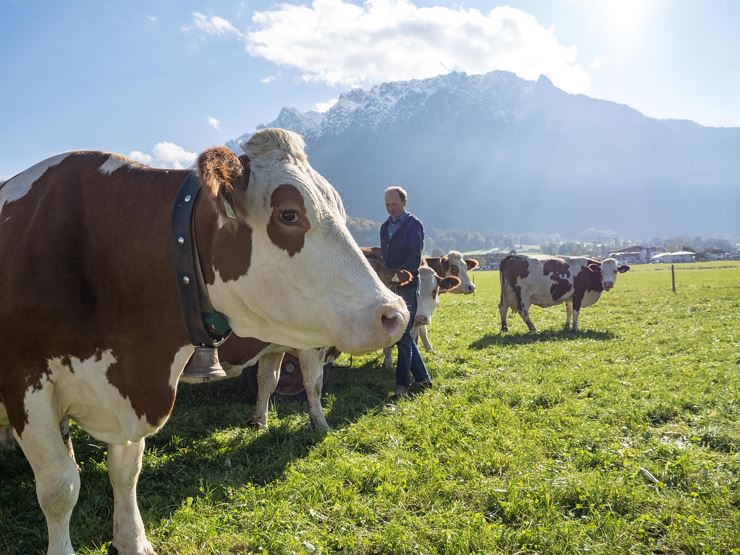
608	285
422	320
471	288
394	321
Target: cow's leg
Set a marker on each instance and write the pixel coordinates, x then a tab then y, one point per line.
312	368
268	373
524	313
56	474
576	329
6	437
568	313
124	466
423	333
388	358
67	439
503	308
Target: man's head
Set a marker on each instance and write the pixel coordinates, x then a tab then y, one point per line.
395	201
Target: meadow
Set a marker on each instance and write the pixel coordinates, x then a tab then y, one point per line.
622	439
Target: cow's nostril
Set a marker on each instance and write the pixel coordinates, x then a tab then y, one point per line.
392	322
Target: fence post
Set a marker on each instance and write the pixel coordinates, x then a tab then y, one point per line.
673	277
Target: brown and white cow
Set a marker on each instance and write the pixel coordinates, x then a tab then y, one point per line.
90	317
238	353
549	280
430	287
454	264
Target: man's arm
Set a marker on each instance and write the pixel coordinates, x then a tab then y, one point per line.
415	246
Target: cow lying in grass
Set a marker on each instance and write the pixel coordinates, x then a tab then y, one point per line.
549	280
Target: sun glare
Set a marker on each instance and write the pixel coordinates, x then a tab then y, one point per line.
625	19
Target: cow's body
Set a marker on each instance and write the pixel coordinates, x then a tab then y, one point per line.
454	264
90	317
430	287
545	281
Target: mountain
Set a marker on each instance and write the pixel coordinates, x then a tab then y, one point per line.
496	152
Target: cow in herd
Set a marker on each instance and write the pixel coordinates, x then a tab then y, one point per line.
549	280
91	317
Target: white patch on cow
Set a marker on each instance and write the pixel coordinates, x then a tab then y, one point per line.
85	394
182	356
17	187
113	162
428	295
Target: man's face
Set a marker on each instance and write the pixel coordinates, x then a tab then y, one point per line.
393	204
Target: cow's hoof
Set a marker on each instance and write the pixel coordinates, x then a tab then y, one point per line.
504	329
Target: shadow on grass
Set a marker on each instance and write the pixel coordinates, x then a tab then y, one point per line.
509	338
204	449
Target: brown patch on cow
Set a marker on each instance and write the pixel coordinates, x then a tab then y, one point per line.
238	351
559	272
224	178
440	265
232	251
89	268
587	279
512	268
287	201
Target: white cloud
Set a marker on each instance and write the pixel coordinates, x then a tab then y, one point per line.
151	18
341	43
597	64
165	155
268	79
213	122
324	106
213	25
140	157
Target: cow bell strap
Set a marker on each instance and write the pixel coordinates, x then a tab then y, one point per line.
206	327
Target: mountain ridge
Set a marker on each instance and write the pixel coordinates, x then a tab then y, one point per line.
497	152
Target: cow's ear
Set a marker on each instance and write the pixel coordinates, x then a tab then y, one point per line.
448	283
623	268
593	268
224	178
404	277
471	263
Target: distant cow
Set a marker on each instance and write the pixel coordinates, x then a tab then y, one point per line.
546	281
430	287
91	324
454	264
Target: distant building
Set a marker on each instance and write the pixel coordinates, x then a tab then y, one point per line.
488	259
674	257
713	254
635	254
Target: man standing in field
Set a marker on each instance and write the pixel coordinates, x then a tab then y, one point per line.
401	243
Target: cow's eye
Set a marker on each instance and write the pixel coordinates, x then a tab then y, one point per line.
289	216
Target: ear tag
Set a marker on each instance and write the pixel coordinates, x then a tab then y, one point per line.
395	279
229	210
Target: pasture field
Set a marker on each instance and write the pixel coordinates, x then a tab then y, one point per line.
623	439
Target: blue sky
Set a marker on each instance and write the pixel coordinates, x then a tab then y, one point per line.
162	80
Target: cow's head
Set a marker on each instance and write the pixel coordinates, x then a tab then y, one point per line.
606	272
455	265
430	286
282	265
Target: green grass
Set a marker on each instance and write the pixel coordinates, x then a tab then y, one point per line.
623	439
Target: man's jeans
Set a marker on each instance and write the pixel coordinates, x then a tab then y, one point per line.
409	359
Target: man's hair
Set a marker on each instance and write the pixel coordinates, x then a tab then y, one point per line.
400	190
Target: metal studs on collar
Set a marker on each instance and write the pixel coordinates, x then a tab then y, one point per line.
187	198
185	280
181	240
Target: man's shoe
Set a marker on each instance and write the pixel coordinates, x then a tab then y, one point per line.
418	387
400	391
